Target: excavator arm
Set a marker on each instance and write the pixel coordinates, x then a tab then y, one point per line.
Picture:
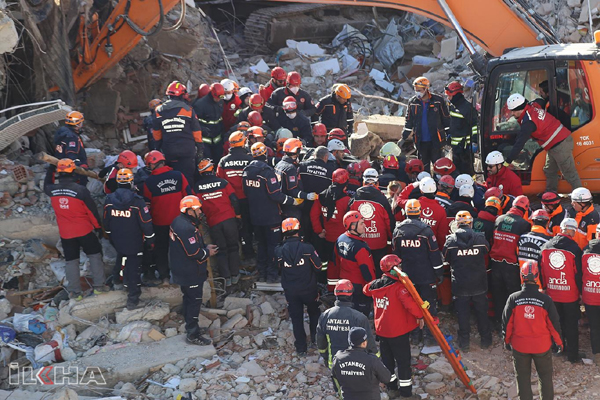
495	25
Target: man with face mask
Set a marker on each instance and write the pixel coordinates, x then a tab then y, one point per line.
231	103
296	122
428	120
304	102
335	109
210	115
68	144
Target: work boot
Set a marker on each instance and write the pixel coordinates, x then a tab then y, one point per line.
76	296
393	393
228	282
97	268
101	289
198	340
486	343
134	304
235	279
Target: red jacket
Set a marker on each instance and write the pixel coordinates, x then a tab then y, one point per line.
511	183
377	221
216	195
561	269
410	191
507	230
267	90
231	168
590	292
334	226
164	190
434	215
229	109
396	312
549	131
352	261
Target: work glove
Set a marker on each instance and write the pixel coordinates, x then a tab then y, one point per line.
507	346
475	147
240	224
506	164
312	196
297	202
559	349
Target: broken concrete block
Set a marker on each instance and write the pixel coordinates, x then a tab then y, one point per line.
170	332
231	303
323	67
215	328
204	322
241	323
266	308
269	321
65	394
9	38
8	184
156	335
154	312
251	368
135	332
188	385
229	325
128	390
236	311
442	367
448	51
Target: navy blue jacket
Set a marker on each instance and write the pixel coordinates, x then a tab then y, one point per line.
187	252
299	263
316	174
176	130
127	221
304	102
299	126
289	176
264	194
68	144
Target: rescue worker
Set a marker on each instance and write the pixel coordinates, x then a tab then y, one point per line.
335	109
504	261
187	256
335	323
292	88
551	203
549	133
356	372
68	143
231	104
316	172
396	315
377	213
464	202
337	149
530	326
590	295
149	122
231	168
413	168
203	90
562	277
326	217
465	252
486	218
356	170
392	171
415	243
264	195
505	200
77	219
445	186
463	127
585	213
501	176
177	132
319	133
427	116
291	185
257	103
163	190
296	122
444	166
209	110
126	159
353	260
220	205
128	224
278	77
530	244
299	264
244	95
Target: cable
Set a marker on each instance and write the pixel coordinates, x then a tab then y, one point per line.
179	22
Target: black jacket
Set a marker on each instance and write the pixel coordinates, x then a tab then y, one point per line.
210	116
299	126
461	205
316	175
465	252
332	114
268	115
176	130
304	102
463	121
291	184
187	252
438	119
299	264
359	374
334	325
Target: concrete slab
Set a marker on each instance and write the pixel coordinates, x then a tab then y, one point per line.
386	127
39	227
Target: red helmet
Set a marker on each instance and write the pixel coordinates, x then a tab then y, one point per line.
540	214
443	166
128	159
217	91
453	87
153	157
521	202
257	102
362	166
414	166
447	181
203	90
350	218
336	133
493	191
340	176
289	104
343	288
319	130
550	198
255	118
391	162
390	261
176	88
293	79
530	272
278	74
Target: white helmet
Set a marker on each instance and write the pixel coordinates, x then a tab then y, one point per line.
370	175
390	148
569	223
581	195
423	175
427	185
494	158
515	100
244	91
283	133
337	144
228	85
466	191
463	179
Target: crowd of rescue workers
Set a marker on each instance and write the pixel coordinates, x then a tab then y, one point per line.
271	175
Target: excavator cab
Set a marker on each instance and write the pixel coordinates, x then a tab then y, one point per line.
559	79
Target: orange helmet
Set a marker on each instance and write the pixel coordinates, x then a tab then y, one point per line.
421	82
124	175
343	288
206	165
188	202
154	103
258	149
203	90
350	218
292	145
412	207
522	202
255	119
65	166
280	143
237	139
128	159
444	166
319	130
256	131
495	202
336	133
290	224
343	91
293	79
243	126
278	74
74	118
257	102
463	218
176	89
390	261
153	157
